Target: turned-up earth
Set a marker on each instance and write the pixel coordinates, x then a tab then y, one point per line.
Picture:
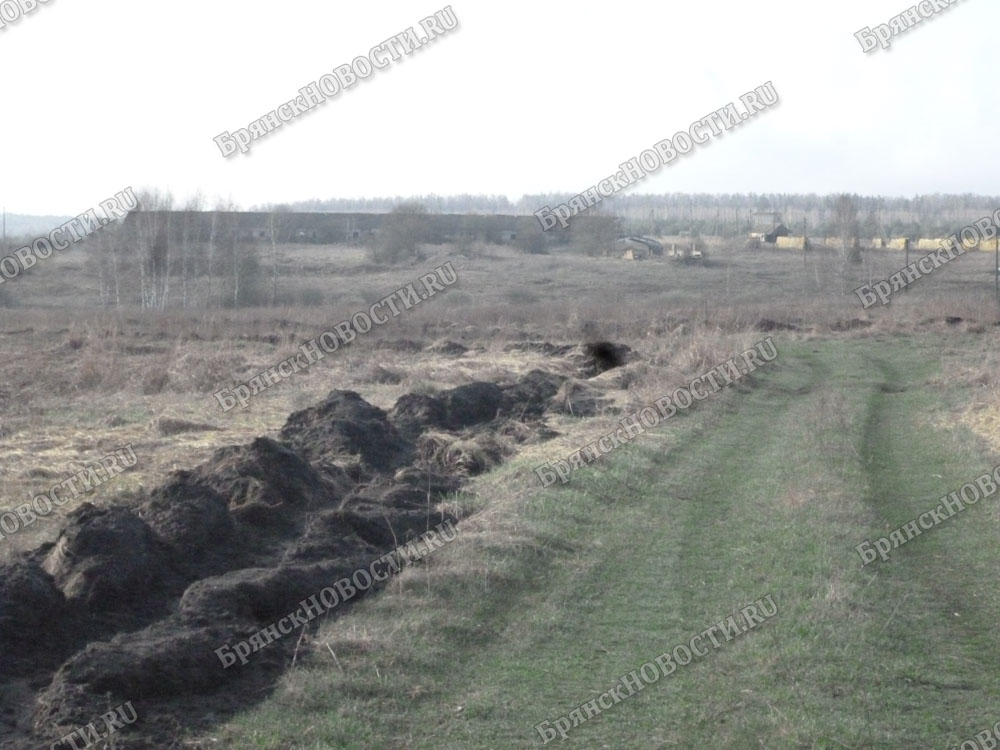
135	598
548	595
766	489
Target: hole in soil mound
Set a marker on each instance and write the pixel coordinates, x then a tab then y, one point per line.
606	356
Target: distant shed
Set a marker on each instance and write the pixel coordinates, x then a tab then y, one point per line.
779	231
637	248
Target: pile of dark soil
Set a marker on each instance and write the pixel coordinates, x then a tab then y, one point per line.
131	601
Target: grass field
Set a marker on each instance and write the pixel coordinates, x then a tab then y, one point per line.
549	595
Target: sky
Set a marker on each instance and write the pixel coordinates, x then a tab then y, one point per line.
521	97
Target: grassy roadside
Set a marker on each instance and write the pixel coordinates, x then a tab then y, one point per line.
548	596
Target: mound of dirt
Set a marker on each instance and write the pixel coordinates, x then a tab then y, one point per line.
130	602
332	532
271	473
106	560
454	409
193	520
344	425
28	597
767	325
162	661
415	413
32	614
258	594
530	396
472	404
367	517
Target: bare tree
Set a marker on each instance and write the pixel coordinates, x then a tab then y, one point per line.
277	224
531	240
106	247
222	247
210	254
846	221
152	248
591	236
402	231
190	226
234	250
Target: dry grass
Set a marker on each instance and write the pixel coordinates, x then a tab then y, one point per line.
78	382
466	456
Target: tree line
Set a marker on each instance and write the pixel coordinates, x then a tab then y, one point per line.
720	214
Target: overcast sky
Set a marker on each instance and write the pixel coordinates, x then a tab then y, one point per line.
522	97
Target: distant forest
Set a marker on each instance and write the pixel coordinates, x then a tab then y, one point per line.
728	214
716	214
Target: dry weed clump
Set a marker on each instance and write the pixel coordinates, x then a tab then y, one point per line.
99	369
982	377
376	373
515	431
625	377
201	372
578	399
468	455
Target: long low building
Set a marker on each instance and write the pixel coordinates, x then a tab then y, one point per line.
335	228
